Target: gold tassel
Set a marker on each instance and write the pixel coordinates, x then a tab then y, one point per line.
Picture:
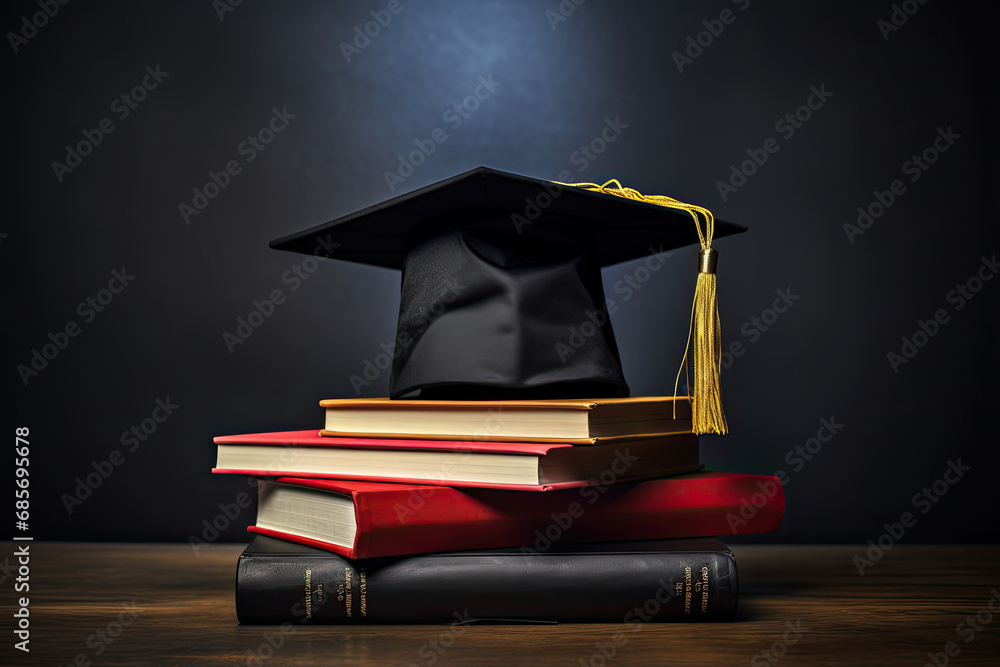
705	329
706	405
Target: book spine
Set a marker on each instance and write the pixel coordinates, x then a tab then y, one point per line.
458	588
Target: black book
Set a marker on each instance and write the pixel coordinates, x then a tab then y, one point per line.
634	582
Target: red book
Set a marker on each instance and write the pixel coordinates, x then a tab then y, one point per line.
522	466
370	519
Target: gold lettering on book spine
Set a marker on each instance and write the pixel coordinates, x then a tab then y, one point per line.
687	590
347	591
704	589
362	575
309	593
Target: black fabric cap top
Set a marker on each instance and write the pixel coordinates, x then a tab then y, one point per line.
498	272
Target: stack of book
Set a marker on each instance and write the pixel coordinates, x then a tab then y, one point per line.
408	511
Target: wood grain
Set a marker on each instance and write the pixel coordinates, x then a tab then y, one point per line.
908	604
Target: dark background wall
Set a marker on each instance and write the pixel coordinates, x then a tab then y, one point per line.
887	96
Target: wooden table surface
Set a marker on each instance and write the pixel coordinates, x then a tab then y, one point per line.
909	603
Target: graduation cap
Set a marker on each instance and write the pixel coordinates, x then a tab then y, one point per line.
501	285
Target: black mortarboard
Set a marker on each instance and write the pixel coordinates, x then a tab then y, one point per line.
501	280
